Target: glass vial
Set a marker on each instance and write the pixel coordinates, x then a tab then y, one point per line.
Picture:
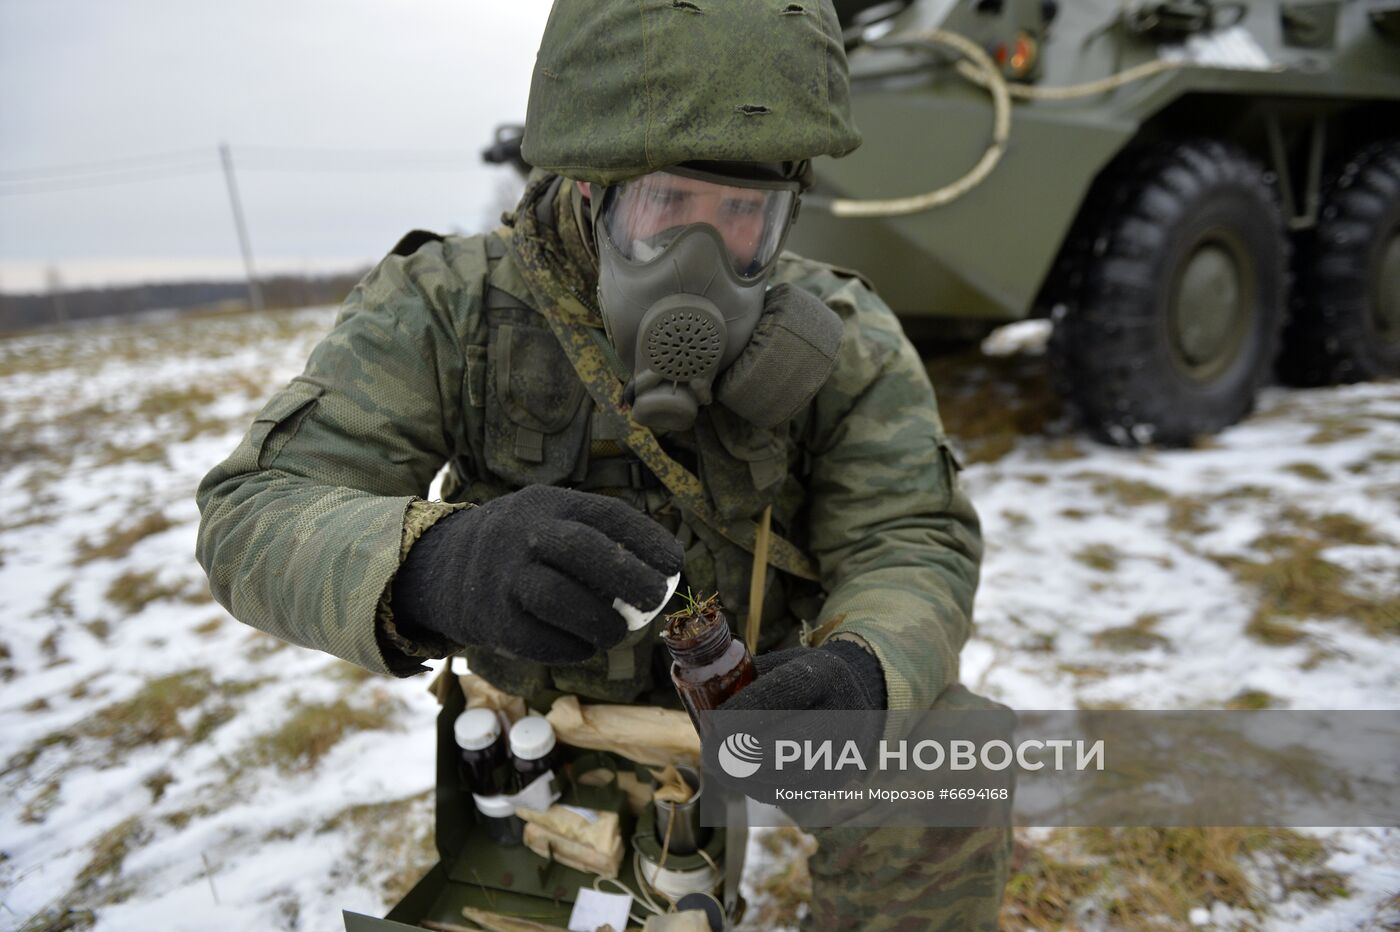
498	813
709	664
532	748
482	751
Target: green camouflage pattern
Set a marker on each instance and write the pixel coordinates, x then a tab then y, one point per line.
911	879
436	358
625	87
303	525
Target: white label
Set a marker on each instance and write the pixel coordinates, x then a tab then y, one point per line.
539	795
593	909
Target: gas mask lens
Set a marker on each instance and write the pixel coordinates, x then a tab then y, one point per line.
641	217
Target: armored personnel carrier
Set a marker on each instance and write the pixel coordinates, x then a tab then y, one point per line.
1200	194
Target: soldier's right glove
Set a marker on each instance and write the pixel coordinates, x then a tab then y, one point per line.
536	573
838	676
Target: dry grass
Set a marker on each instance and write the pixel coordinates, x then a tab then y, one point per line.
99	628
390	844
782	885
1186	517
1294	581
1151	878
1338	530
313	730
1309	471
157	782
1101	557
60	601
60	918
1379	459
149	716
49	648
1134	637
1333	429
133	590
165	400
1252	699
1062	449
209	626
181	818
1016	519
1044	892
1248	492
41	802
990	402
109	853
120	538
209	721
1124	491
1088	672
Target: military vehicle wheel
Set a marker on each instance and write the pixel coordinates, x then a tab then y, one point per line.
1346	310
1183	281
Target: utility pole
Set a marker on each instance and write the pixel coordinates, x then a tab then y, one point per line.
255	301
54	281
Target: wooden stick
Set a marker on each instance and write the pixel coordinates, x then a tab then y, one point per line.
757	580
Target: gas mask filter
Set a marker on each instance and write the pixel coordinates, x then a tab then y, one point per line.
684	259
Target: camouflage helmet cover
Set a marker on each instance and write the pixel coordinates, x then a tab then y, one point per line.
626	87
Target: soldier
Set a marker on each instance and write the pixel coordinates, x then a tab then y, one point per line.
622	383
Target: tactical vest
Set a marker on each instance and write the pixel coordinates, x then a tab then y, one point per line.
532	422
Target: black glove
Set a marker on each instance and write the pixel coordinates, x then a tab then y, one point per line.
838	675
535	573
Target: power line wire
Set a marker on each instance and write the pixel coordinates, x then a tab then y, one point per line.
246	164
375	158
98	167
336	151
260	158
11	189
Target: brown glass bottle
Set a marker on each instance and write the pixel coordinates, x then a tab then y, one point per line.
709	664
482	751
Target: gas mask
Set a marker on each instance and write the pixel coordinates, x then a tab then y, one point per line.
684	259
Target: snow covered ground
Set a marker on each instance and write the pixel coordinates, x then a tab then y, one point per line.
165	767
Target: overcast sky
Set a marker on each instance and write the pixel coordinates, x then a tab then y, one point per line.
98	81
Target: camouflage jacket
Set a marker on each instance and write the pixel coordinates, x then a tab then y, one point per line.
438	358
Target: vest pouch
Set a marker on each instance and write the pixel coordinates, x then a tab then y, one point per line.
514	675
536	424
280	419
952	466
744	468
620	675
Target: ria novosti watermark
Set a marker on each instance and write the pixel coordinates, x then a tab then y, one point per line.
993	766
740	755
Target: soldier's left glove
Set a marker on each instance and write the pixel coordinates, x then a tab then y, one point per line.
838	675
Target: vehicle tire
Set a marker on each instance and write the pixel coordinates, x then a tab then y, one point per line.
1178	296
1345	325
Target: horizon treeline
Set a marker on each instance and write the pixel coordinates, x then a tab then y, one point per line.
29	311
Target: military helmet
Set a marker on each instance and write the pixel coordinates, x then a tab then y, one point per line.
622	88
